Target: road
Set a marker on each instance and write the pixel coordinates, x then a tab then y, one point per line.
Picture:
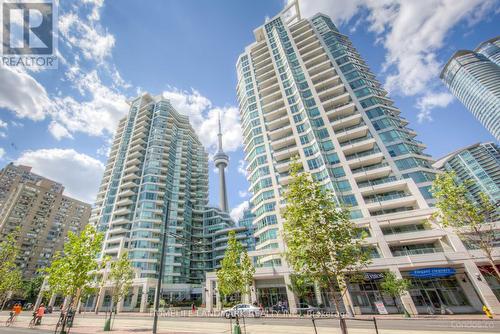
135	323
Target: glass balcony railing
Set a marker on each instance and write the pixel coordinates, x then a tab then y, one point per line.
362	154
368	168
370	183
383	198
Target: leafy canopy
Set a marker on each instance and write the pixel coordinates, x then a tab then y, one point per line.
322	244
72	270
10	275
236	272
394	286
121	276
470	220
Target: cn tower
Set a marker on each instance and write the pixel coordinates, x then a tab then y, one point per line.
221	160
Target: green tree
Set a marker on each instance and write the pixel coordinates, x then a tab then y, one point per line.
300	285
394	287
322	244
32	287
72	270
121	277
10	275
248	271
470	220
236	272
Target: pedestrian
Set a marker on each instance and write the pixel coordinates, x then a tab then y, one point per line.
40	312
193	308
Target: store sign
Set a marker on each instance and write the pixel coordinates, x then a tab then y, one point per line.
432	272
381	307
373	276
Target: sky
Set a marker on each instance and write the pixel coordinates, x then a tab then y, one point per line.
61	121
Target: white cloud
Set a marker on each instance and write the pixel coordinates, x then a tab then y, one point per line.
242	193
204	118
96	115
88	36
412	32
2	153
3	124
237	212
78	172
430	101
242	167
16	124
22	94
59	131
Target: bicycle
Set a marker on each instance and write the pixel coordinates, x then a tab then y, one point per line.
35	321
10	320
59	322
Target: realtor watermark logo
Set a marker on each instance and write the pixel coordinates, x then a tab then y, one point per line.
28	35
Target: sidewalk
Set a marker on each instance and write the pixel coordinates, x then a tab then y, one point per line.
140	323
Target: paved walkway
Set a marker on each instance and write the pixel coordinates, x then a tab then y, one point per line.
142	324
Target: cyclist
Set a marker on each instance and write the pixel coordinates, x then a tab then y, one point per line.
17	309
39	314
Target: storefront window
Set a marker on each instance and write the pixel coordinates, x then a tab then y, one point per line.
437	293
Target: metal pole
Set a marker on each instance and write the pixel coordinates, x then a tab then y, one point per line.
160	274
314	324
375	323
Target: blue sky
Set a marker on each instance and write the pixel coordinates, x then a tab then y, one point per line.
61	121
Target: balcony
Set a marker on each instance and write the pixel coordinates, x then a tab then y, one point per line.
342	122
323	75
319	59
305	42
322	67
371	172
280	132
276	104
416	249
375	182
351	133
358	145
284	142
276	96
337	100
303	35
278	123
389	201
286	152
365	158
313	51
275	114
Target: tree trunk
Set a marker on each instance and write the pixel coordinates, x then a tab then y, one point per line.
343	325
495	269
396	304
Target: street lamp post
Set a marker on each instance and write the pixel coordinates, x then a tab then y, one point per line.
160	274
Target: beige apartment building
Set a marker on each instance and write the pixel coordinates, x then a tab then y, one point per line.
304	91
43	214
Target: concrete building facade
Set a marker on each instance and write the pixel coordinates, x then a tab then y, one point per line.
305	92
158	168
43	214
478	163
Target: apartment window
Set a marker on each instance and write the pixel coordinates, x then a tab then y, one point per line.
314	163
337	171
332	158
348	200
327	145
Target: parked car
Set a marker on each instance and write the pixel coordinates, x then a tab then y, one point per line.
303	308
279	308
242	310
